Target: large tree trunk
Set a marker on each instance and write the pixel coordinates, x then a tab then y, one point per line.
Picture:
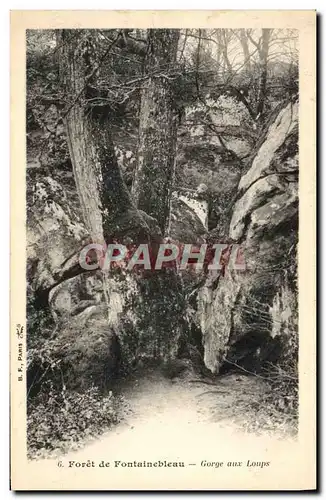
107	208
103	195
157	129
162	324
145	311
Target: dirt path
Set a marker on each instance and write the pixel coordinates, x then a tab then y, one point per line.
179	421
187	400
168	414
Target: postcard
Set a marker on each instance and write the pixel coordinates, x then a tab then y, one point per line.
163	260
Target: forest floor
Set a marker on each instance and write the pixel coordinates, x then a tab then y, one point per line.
184	419
156	407
234	399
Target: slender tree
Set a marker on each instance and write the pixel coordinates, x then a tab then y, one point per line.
263	60
245	48
157	128
262	46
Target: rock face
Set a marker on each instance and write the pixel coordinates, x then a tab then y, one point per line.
54	228
118	320
108	320
188	219
82	340
237	311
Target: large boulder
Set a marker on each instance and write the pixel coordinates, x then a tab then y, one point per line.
237	310
110	320
80	339
55	230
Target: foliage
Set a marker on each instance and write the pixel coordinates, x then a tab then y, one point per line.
40	322
273	409
277	407
59	420
283	375
59	417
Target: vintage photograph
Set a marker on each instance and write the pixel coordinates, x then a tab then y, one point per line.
162	231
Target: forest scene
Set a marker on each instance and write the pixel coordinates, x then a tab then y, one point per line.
144	137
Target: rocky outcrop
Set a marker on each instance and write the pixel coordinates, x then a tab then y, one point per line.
54	228
235	310
188	219
109	320
81	342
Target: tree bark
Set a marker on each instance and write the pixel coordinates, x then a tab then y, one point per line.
263	59
155	298
103	195
225	44
157	129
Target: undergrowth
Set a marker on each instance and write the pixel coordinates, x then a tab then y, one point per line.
57	421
